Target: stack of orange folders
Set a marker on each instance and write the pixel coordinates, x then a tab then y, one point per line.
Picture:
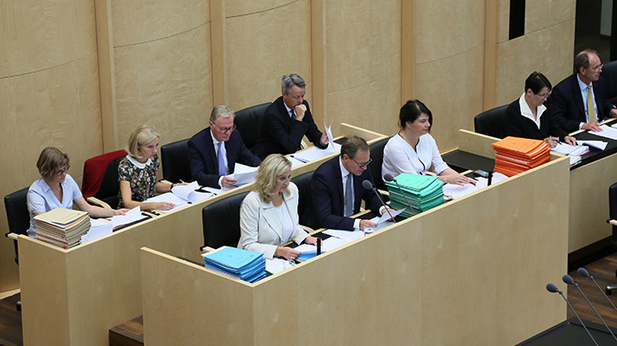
514	155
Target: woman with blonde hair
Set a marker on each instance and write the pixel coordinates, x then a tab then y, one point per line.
269	213
57	189
137	171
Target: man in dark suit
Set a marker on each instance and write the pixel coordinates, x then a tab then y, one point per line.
214	151
332	203
569	103
287	120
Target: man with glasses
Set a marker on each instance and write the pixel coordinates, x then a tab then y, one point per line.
287	120
578	102
214	151
337	189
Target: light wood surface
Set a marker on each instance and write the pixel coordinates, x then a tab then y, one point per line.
455	275
589	207
76	295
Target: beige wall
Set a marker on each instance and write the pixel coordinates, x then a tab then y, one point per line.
167	62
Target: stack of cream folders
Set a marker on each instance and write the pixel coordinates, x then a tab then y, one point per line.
62	227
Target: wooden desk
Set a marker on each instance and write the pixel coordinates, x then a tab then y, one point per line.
74	296
471	271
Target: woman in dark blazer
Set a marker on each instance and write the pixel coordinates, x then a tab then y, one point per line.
526	117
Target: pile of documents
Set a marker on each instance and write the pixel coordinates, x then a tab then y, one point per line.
62	227
514	155
242	264
419	193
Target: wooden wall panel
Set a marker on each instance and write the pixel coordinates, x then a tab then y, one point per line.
547	47
49	96
448	76
363	64
164	83
265	41
37	35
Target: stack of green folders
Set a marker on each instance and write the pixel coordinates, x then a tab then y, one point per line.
422	191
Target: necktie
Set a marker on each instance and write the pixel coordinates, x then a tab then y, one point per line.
590	110
348	196
293	114
219	158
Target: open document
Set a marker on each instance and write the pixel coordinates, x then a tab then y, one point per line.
463	190
607	132
181	195
243	174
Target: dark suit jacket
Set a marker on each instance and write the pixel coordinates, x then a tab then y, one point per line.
519	126
328	200
202	157
567	107
280	134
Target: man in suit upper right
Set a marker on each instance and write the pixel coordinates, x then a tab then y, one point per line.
569	103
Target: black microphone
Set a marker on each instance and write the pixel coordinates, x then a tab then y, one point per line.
389	177
553	289
568	280
369	186
584	273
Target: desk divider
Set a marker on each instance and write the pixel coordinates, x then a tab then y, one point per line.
471	271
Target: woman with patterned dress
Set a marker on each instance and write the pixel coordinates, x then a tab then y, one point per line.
137	172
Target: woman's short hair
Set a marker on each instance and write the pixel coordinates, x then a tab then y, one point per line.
50	160
412	111
265	179
141	136
536	82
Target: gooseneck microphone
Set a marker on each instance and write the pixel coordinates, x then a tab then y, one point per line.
584	273
369	186
568	280
553	289
389	177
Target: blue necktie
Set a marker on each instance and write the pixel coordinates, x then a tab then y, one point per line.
348	196
219	158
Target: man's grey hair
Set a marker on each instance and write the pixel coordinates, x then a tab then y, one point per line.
290	80
582	59
220	111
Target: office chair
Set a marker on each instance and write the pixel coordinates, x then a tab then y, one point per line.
375	165
100	184
609	74
305	203
18	219
248	122
175	161
612	203
221	222
490	122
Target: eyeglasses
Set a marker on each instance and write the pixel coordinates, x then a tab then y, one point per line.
597	68
64	170
225	129
544	96
362	165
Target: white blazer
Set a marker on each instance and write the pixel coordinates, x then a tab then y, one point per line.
260	226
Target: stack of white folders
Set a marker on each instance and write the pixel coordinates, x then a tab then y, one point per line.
62	227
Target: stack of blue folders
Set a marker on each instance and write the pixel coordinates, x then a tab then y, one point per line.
422	191
242	264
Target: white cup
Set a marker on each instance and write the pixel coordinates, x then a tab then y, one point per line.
368	230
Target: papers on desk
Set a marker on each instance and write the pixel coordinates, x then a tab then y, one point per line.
277	265
571	150
243	174
314	153
607	132
463	190
181	195
386	216
594	144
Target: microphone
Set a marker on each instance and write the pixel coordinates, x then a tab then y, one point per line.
568	280
369	186
553	289
389	177
584	273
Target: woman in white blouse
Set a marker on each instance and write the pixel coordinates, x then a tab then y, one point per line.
269	213
413	149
